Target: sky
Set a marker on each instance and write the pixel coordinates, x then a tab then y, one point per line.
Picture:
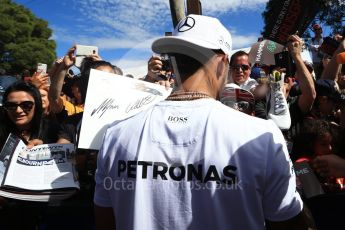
124	30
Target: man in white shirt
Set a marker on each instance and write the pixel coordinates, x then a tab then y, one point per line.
314	44
240	71
191	162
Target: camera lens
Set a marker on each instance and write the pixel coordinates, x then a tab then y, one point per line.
165	62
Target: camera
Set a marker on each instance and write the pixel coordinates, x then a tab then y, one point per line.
166	66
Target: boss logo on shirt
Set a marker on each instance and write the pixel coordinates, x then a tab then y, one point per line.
173	119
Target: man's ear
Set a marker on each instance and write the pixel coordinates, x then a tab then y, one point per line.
223	67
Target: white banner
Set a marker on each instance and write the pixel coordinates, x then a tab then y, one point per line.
110	98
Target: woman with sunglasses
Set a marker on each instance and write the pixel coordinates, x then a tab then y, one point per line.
23	114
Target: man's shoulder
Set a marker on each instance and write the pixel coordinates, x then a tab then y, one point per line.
219	115
227	117
158	110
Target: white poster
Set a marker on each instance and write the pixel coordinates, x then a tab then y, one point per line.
112	97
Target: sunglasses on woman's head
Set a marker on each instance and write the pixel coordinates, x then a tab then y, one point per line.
238	67
26	106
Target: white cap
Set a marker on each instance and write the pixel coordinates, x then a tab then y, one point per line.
194	35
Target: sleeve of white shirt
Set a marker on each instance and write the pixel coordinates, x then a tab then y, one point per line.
103	181
281	200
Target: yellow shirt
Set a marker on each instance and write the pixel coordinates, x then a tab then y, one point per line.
71	108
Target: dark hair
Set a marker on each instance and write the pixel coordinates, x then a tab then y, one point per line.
85	68
117	70
186	65
237	54
38	112
311	131
67	86
88	64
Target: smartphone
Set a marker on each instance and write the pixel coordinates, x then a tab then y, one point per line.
284	60
82	52
41	68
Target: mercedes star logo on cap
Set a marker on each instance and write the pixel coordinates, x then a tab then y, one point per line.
187	24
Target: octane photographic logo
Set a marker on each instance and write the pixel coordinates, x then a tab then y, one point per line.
187	24
130	185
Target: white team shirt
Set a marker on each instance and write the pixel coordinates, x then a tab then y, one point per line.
195	165
249	84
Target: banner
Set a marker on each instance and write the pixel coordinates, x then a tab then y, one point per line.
287	17
110	98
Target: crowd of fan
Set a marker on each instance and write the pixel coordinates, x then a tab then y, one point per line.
51	105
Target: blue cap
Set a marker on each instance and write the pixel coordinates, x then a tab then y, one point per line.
255	73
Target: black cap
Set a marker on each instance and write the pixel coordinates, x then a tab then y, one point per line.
326	87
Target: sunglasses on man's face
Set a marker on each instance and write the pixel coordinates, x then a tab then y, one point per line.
26	106
238	67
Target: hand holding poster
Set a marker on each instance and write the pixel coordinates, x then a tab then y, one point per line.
110	98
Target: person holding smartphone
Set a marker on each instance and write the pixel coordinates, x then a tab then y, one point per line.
314	45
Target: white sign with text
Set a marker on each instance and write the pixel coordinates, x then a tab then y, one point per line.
110	98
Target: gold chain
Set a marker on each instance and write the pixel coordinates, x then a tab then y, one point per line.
186	96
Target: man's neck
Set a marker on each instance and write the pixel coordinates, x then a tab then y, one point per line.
199	82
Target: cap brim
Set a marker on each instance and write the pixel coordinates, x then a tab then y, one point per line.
197	49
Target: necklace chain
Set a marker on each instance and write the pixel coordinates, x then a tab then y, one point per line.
186	96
